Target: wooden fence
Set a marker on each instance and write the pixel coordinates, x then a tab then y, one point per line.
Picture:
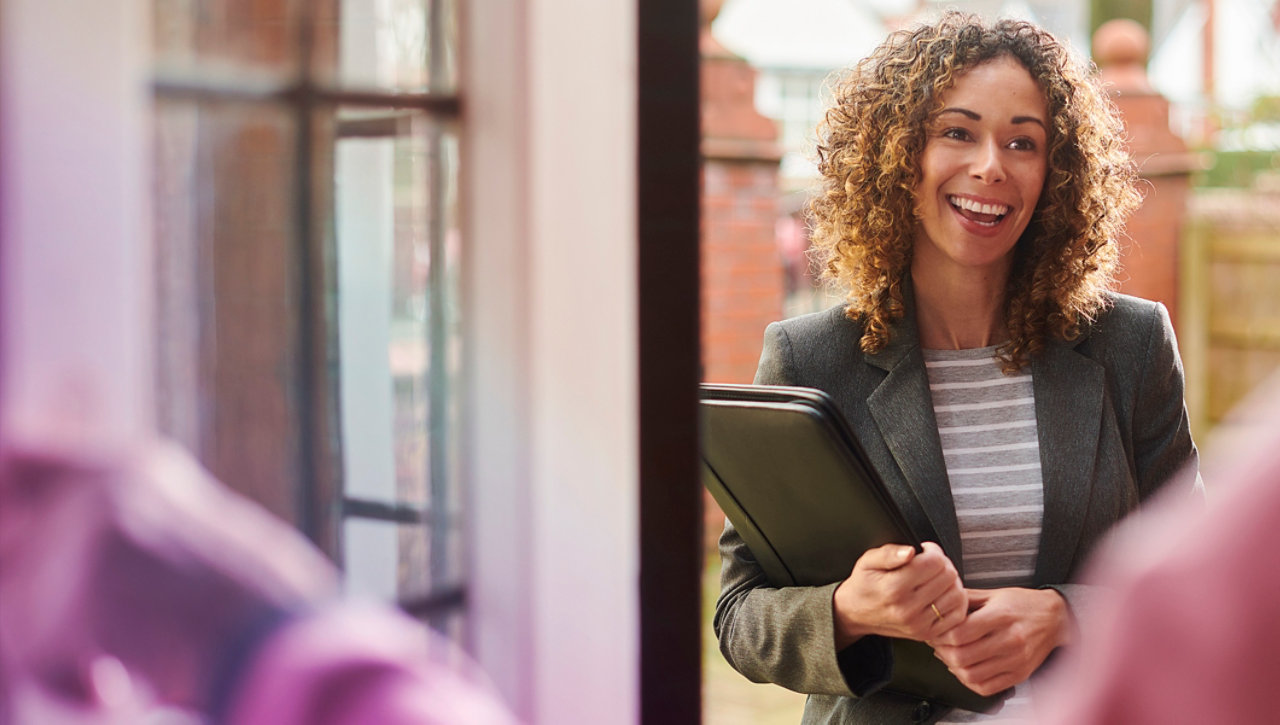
1229	322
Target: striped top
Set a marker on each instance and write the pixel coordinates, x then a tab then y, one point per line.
987	423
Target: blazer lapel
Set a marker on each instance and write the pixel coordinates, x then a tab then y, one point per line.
1069	389
902	408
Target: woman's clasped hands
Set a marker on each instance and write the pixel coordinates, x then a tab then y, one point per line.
991	639
1007	634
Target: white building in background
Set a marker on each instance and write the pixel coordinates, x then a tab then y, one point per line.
1246	64
797	44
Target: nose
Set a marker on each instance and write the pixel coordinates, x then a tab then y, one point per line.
987	165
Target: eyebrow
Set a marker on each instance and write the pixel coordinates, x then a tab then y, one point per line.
977	117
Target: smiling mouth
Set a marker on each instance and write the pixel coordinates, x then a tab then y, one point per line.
985	214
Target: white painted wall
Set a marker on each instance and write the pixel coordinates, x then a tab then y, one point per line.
550	316
77	277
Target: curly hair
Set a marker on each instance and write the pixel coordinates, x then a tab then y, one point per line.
863	219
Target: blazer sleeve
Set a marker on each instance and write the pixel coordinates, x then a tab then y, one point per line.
787	635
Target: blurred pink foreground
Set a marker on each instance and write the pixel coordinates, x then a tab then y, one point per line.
1190	629
136	580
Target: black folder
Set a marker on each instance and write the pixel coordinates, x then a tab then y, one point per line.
789	474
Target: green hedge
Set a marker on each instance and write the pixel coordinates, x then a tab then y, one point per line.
1236	168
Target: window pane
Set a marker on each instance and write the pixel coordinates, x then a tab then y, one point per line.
396	252
396	301
405	45
221	36
395	562
225	320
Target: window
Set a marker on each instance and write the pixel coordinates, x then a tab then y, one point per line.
307	263
795	98
568	165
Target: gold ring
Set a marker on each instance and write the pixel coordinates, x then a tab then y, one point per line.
936	613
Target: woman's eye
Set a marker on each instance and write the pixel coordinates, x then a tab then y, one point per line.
1022	144
959	134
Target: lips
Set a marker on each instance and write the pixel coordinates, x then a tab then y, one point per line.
978	212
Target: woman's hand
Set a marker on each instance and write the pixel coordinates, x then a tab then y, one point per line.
893	591
1007	635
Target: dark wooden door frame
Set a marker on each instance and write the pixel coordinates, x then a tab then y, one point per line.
670	494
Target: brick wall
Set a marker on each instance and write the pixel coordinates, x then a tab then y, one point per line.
1150	257
742	282
742	277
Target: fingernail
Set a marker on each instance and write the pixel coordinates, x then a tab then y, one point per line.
903	552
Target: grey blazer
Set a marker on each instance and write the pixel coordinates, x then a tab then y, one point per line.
1113	430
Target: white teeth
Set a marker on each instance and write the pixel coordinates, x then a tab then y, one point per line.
973	206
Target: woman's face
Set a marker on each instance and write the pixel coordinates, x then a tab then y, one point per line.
982	170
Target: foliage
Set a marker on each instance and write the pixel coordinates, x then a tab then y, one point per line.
1100	11
1266	109
1236	169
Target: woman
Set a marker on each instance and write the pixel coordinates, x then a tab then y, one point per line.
975	183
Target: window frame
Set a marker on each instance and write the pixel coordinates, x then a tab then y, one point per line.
551	670
322	504
567	162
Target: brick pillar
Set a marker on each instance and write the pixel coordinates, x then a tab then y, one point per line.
1150	260
742	280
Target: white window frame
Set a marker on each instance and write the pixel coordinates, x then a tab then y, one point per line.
75	250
